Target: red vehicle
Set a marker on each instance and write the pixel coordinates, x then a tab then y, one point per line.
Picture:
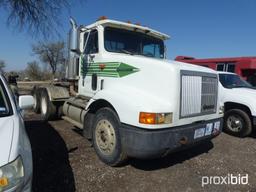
243	66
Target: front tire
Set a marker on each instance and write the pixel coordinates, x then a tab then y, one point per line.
48	109
237	123
106	137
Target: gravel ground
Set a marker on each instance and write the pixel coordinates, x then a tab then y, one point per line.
65	161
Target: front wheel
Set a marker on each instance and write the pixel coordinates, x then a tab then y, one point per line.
237	123
106	137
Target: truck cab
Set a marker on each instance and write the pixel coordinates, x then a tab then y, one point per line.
129	99
238	97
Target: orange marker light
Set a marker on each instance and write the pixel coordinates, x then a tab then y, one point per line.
3	182
147	118
102	66
102	18
155	118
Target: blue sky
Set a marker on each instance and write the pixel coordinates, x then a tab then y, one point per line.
198	28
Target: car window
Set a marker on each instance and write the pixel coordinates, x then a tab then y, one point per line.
233	81
5	107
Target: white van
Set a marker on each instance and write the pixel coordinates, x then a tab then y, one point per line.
15	154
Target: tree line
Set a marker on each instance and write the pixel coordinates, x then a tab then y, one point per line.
40	18
52	59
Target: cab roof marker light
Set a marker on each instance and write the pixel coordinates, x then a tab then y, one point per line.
102	18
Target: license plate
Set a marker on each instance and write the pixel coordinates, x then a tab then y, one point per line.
199	133
208	130
217	125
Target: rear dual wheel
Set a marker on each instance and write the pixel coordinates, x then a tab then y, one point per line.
35	94
48	109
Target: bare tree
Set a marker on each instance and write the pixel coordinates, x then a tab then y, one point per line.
35	15
52	54
33	71
2	66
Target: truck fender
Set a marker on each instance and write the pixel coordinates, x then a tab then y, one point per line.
128	104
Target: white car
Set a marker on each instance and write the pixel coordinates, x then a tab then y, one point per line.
239	101
15	154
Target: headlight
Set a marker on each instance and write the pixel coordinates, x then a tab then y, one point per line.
12	174
155	118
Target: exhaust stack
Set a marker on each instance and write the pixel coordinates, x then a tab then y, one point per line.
73	48
72	74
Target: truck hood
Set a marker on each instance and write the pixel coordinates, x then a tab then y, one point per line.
173	64
6	135
247	91
242	92
245	96
156	64
157	87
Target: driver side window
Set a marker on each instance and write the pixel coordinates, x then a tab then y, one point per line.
92	44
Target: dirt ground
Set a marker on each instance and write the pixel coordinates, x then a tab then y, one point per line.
65	161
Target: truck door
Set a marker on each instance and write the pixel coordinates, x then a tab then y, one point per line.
89	80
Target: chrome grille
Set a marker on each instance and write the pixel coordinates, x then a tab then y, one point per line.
209	94
199	92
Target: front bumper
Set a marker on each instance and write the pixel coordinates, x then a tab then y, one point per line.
24	187
144	143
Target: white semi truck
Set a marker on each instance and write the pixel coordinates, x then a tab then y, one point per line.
128	98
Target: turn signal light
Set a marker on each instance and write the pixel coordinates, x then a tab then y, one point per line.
3	182
155	118
147	118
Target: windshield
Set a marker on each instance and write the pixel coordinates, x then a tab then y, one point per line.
5	108
131	42
233	81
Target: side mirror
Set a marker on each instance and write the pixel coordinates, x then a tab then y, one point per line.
26	101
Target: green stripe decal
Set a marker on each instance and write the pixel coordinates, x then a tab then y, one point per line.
108	69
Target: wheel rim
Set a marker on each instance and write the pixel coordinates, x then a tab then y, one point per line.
235	123
43	105
105	137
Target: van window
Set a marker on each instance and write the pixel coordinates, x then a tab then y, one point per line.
5	107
